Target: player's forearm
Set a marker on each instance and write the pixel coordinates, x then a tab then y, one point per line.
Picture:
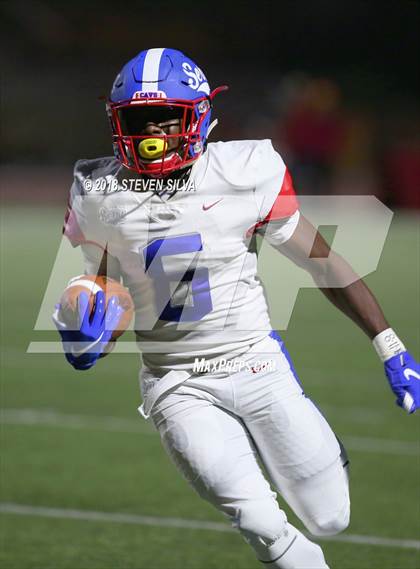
100	262
343	287
358	303
335	277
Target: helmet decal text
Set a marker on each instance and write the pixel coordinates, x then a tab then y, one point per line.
196	78
149	95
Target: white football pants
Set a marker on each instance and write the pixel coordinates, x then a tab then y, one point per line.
221	431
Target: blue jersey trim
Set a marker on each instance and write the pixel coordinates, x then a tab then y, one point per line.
276	336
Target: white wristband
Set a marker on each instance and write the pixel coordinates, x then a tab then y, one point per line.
387	344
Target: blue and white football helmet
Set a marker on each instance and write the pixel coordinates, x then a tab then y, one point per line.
164	88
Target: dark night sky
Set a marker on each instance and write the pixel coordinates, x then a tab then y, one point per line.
321	35
58	57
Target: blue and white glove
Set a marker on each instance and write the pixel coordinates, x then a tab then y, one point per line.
84	346
401	369
403	373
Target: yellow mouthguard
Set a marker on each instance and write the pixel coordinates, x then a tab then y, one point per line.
151	148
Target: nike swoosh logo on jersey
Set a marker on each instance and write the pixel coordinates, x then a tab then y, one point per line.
206	207
411	373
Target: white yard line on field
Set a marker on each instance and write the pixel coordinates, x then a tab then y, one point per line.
69	421
381	446
357	414
157	521
118	424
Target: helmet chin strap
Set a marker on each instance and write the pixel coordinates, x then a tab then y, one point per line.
213	124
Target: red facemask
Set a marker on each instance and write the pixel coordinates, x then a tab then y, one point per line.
158	152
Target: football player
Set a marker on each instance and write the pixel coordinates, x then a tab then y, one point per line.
174	217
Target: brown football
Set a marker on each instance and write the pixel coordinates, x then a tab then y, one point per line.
91	284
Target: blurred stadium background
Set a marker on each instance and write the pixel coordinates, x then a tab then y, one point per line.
336	86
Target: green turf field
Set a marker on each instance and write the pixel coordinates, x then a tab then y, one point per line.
74	441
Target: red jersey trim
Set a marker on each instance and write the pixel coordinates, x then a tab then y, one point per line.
285	204
71	229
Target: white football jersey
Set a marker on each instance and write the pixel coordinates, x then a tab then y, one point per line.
187	256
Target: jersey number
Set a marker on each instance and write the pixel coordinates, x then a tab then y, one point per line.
193	282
